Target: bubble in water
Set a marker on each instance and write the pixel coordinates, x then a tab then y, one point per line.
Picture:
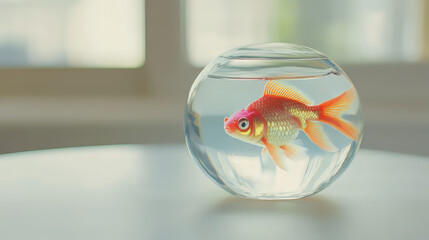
273	121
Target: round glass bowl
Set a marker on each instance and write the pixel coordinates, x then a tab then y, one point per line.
273	121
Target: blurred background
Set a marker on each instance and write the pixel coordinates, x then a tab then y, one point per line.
94	72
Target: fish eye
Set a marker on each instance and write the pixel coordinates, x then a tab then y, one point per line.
243	124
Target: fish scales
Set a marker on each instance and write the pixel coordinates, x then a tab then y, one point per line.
284	118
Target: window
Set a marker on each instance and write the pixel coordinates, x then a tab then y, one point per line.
350	31
71	33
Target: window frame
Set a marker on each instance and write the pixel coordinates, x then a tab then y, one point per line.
167	71
164	48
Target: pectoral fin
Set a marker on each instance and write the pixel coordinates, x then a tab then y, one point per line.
275	153
290	150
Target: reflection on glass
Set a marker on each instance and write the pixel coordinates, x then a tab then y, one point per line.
71	33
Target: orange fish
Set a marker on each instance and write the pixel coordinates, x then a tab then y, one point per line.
274	120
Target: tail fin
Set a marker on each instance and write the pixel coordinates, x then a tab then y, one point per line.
332	110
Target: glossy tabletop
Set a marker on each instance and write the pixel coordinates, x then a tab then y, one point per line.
158	192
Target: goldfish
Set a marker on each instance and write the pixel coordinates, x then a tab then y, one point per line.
275	120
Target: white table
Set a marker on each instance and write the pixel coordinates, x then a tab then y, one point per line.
157	192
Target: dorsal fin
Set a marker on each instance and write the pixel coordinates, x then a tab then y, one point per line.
279	89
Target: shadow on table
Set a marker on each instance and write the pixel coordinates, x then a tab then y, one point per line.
314	205
309	218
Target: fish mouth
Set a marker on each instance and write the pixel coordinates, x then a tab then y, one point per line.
228	129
